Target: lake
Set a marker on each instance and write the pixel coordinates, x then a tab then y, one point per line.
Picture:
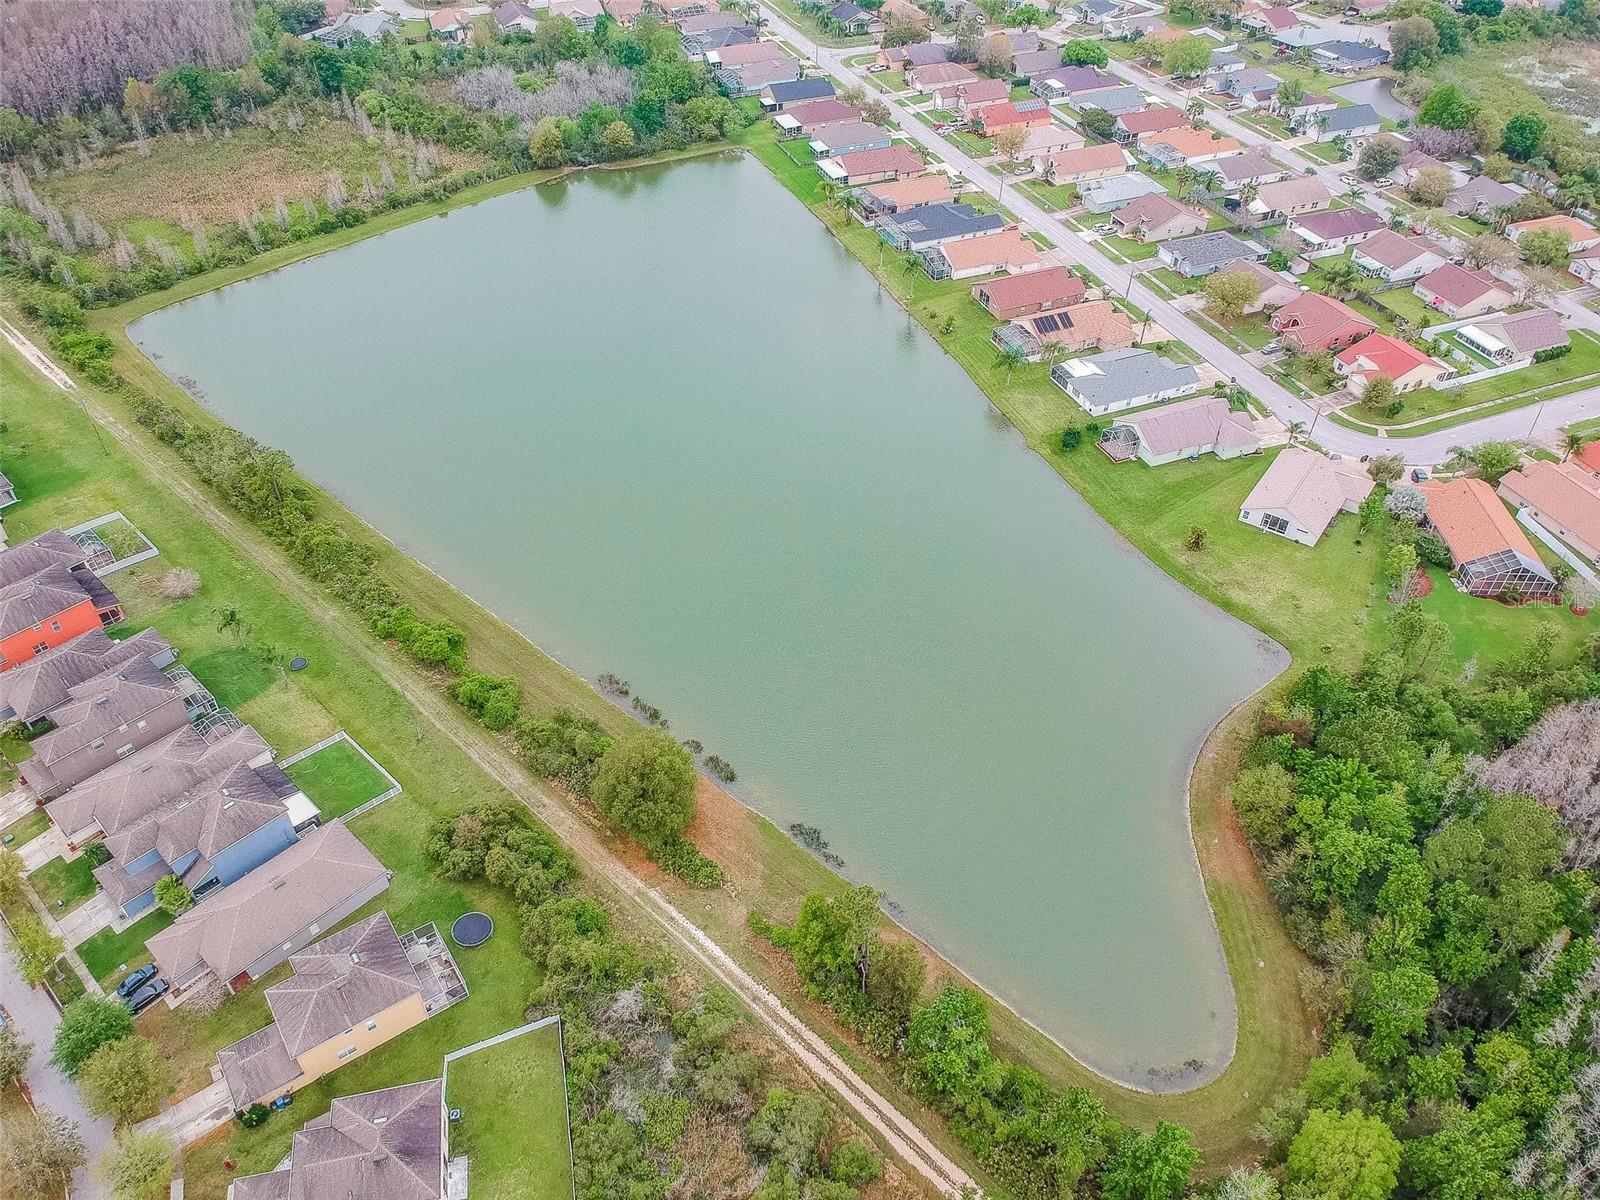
661	422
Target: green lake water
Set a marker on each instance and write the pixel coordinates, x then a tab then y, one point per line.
663	424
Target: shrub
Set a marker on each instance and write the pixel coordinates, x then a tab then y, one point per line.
565	746
1551	353
180	583
97	854
1071	437
173	896
854	1164
682	858
254	1116
494	699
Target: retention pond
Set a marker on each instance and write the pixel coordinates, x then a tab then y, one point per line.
665	425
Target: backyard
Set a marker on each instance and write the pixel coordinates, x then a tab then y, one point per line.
516	1141
338	778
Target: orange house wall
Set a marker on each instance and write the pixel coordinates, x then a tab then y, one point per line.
19	647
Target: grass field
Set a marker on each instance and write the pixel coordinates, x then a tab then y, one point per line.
63	885
513	1118
24	829
235	676
1320	602
107	954
337	778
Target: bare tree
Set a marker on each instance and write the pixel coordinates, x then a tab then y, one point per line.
1558	762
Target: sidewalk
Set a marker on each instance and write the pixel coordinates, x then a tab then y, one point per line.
195	1115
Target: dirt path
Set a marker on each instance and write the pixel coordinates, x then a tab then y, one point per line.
899	1132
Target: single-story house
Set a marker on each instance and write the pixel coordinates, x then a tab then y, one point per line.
1028	63
1354	122
1251	86
1515	338
1396	258
1223	61
516	17
384	1145
931	224
968	98
937	75
1562	497
917	54
1185	429
33	690
1013	296
1480	196
1301	493
1061	83
1119	379
1250	169
903	12
1380	354
1094	12
1124	98
1312	321
849	137
1585	264
1178	147
1489	552
1132	126
852	20
1272	19
871	166
993	117
1274	290
1208	253
1330	232
802	120
1002	250
1101	161
1048	140
964	10
243	931
1414	162
1156	218
1109	193
627	13
1460	292
740	55
347	994
1132	26
695	45
347	26
582	13
777	97
1291	197
749	80
707	21
1301	37
1092	325
449	25
1304	115
1580	234
1344	58
903	195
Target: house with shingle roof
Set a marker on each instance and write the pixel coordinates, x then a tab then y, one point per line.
1108	194
1118	379
1251	86
1459	292
968	98
777	97
1489	553
963	258
383	1145
1273	290
1092	325
34	689
1312	321
931	225
1326	233
1132	126
1515	338
347	994
871	166
903	195
1580	234
706	22
807	118
241	932
1291	197
1301	493
1564	498
1250	169
1343	58
1272	19
849	137
1013	296
1207	253
1395	258
1100	161
1480	196
1184	429
932	76
1063	82
1156	218
1353	122
1380	354
48	596
1124	98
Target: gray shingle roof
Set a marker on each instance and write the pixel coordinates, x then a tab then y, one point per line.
34	688
1354	116
1209	249
932	223
1124	376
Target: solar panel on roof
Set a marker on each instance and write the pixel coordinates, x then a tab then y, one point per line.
1048	323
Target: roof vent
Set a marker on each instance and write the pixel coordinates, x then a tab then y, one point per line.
355	959
383	1120
277	883
229	805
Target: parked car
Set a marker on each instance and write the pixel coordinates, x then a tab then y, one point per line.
876	67
136	980
145	996
1418	475
1104	228
1272	347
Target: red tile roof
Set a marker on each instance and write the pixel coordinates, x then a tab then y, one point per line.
1152	120
1388	355
1052	285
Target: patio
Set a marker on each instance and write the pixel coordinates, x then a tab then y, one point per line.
442	982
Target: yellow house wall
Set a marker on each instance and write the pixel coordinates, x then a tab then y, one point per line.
392	1022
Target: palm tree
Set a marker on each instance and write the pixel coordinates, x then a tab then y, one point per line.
1356	194
1012	357
910	263
1185	177
1209	180
1248	193
1296	428
229	620
1572	442
1194	111
1341	277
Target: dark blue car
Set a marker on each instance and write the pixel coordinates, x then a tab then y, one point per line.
136	980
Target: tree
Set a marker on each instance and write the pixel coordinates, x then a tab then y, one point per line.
832	939
616	139
994	55
44	1152
88	1023
1264	798
947	1047
1447	107
1545	247
1290	93
35	949
1187	57
1012	356
854	1164
1377	158
1573	442
14	1055
547	147
1400	566
173	896
1489	251
1341	277
1229	293
1397	999
1248	1183
10	872
1149	49
789	1129
1432	186
1084	52
1150	1166
1099	122
1009	141
1413	43
138	1166
645	786
1493	460
1386	468
125	1079
1348	1156
903	33
1379	394
1524	135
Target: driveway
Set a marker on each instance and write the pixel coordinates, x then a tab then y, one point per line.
36	1019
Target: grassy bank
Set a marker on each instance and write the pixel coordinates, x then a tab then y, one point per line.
1320	603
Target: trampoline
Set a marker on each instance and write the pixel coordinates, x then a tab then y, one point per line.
471	929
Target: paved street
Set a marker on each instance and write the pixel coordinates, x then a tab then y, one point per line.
36	1020
1423	450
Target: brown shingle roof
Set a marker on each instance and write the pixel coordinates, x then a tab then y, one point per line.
1003	248
340	981
1050	286
1472	520
1458	286
33	688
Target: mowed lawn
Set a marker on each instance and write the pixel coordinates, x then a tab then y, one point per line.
108	954
513	1124
337	778
24	829
63	885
